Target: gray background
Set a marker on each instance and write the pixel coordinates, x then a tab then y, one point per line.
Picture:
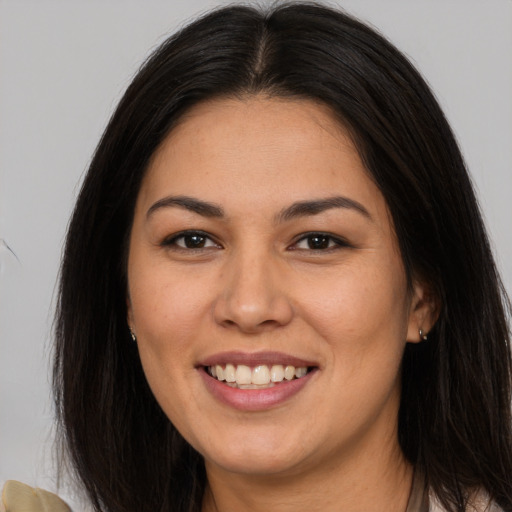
64	65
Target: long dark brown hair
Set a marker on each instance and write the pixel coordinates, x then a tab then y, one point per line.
455	418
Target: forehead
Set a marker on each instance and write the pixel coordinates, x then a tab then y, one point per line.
259	150
229	127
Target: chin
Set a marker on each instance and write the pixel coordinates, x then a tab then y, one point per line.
260	465
258	457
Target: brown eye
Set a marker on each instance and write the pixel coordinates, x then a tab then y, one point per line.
193	241
319	242
190	240
316	242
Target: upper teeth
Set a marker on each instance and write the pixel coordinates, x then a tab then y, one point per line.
243	375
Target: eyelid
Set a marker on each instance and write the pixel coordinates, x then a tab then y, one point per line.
339	241
170	241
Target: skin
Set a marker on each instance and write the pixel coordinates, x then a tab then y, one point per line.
257	285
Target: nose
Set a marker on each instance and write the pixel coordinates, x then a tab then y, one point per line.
252	297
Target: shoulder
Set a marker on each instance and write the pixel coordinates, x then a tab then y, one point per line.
18	497
479	502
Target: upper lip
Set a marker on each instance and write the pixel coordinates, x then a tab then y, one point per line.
255	358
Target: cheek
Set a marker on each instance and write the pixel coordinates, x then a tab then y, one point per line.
167	306
363	320
361	310
166	316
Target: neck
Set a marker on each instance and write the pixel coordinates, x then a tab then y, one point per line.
359	482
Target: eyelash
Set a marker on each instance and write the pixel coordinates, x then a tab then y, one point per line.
333	242
173	240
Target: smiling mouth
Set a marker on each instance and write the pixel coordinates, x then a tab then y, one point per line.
257	377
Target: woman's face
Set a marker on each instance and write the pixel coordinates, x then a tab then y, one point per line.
261	251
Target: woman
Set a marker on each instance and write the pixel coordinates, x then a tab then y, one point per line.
277	290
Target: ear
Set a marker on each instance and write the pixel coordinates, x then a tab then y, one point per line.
129	314
423	312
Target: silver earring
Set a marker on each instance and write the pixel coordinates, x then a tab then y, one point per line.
423	336
132	334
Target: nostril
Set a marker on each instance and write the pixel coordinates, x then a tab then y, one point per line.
252	327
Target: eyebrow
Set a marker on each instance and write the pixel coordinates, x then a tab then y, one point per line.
314	207
297	209
202	208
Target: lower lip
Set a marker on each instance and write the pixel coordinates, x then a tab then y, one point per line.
254	399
